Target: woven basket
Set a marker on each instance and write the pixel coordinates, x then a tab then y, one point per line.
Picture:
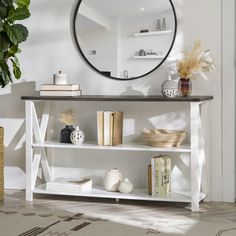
1	164
164	138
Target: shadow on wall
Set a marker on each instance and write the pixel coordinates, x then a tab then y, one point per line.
12	118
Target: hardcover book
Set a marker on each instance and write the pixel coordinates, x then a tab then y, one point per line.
61	93
60	87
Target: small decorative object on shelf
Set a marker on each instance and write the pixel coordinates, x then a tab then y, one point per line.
60	78
195	63
185	87
163	137
77	136
142	52
112	180
158	25
163	25
67	118
144	31
125	186
169	88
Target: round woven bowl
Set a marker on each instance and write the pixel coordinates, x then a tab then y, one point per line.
164	138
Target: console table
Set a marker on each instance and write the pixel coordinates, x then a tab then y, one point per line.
36	146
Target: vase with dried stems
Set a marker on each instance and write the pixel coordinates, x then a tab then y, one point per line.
67	118
195	63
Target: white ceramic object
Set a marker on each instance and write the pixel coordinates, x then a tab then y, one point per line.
112	179
125	186
169	88
60	78
77	136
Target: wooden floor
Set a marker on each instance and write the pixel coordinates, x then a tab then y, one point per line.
164	216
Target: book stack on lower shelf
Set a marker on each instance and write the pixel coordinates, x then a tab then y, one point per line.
64	90
110	128
159	176
70	185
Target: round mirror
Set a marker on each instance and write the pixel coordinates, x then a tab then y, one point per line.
124	39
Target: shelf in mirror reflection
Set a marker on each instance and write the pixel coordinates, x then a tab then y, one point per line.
149	57
153	33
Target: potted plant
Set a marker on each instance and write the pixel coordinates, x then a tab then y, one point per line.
11	35
195	63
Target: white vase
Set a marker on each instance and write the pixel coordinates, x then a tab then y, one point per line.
60	78
125	186
112	180
77	136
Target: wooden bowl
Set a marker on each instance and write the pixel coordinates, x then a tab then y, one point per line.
164	138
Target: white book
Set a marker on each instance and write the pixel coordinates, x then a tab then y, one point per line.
69	185
153	170
61	93
60	87
107	128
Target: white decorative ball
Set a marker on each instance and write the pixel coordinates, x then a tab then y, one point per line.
125	186
77	136
169	88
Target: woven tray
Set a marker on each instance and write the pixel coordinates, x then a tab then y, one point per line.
1	164
164	138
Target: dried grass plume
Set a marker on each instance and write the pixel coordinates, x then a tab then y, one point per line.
195	62
67	117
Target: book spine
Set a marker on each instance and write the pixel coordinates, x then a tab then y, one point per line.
168	174
158	176
153	171
150	179
107	128
117	137
112	114
100	128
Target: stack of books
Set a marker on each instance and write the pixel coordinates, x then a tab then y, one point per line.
69	185
69	90
159	173
110	128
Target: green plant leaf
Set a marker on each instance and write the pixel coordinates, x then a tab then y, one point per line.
2	82
4	42
3	12
19	13
7	2
16	67
1	57
1	26
5	73
12	51
23	3
17	33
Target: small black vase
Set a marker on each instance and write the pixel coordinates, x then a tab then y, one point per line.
65	134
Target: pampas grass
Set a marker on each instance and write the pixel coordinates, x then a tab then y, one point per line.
67	117
195	62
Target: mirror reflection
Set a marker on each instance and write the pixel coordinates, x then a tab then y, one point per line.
124	39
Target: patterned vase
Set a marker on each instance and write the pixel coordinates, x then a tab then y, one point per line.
169	88
65	134
77	136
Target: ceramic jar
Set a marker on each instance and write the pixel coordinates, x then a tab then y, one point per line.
185	87
77	136
112	180
169	88
60	78
125	186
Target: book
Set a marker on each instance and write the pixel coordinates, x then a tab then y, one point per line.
70	185
107	128
150	179
61	93
60	87
117	135
160	175
100	127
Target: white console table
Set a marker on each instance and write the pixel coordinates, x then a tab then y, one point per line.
36	148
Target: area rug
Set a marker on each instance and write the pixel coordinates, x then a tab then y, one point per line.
15	222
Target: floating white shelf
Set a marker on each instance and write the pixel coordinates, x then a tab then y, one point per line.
137	194
122	147
149	57
153	33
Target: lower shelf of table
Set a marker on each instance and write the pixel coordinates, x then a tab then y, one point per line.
137	194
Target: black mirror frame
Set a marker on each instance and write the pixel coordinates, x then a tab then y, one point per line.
111	77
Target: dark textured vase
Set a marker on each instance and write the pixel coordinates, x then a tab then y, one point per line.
65	134
185	87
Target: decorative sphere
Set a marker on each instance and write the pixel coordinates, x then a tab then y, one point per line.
77	136
169	88
125	186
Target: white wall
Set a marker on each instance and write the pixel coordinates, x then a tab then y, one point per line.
50	48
